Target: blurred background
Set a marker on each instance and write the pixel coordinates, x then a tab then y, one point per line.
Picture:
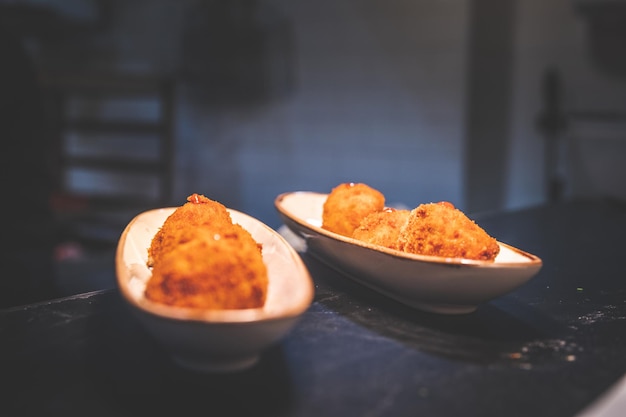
489	104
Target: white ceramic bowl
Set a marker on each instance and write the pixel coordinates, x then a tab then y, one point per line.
215	340
430	283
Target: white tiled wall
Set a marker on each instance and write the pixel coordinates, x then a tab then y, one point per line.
375	93
377	98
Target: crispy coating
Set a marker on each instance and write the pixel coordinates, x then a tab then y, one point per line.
439	229
201	259
348	204
212	271
198	213
382	227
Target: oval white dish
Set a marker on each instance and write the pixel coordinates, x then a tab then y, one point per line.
429	283
215	340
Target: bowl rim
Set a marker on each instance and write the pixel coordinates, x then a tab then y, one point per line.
215	317
533	261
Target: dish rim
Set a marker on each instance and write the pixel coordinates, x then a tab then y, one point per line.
532	260
206	316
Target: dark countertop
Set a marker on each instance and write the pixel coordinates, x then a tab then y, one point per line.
549	348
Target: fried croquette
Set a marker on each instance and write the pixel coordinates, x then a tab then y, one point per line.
183	223
382	227
201	259
211	271
348	204
440	229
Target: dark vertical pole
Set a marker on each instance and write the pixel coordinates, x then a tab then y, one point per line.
551	123
490	55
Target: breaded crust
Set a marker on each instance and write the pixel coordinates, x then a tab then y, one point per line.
439	229
201	259
212	271
348	204
382	227
199	212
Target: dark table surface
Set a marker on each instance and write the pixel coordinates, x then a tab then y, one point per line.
550	348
